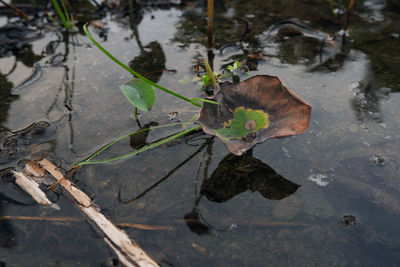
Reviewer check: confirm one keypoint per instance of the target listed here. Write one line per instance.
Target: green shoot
(205, 80)
(234, 67)
(63, 14)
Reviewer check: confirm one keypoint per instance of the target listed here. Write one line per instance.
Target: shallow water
(294, 212)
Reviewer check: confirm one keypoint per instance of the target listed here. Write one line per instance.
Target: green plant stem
(126, 136)
(61, 14)
(163, 141)
(134, 72)
(205, 100)
(66, 14)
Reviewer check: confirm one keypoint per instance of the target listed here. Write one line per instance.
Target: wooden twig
(34, 169)
(349, 9)
(120, 256)
(119, 238)
(32, 188)
(210, 24)
(75, 192)
(17, 11)
(131, 253)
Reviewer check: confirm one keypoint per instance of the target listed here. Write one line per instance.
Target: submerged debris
(377, 160)
(319, 179)
(17, 145)
(349, 220)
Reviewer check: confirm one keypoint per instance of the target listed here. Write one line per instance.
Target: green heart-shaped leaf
(244, 121)
(140, 94)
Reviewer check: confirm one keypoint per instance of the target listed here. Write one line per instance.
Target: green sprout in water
(63, 14)
(207, 80)
(234, 67)
(244, 122)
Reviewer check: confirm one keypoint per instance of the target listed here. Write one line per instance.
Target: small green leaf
(206, 79)
(140, 94)
(236, 65)
(244, 121)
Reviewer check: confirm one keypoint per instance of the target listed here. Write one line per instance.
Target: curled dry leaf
(253, 111)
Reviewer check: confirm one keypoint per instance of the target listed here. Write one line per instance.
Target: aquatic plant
(139, 89)
(63, 14)
(241, 115)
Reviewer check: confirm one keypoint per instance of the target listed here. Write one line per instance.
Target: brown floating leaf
(252, 111)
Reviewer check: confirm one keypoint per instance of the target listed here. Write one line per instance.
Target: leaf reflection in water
(237, 174)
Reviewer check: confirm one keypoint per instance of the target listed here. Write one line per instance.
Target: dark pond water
(328, 197)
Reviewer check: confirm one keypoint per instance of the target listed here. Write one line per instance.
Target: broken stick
(131, 253)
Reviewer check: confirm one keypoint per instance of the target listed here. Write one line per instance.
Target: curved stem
(123, 137)
(163, 141)
(134, 72)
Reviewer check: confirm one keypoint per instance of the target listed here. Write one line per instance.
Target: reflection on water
(233, 176)
(150, 62)
(237, 174)
(14, 43)
(139, 140)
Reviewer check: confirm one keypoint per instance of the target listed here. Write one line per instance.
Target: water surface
(327, 197)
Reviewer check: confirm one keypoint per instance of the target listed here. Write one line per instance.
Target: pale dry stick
(78, 195)
(119, 238)
(127, 248)
(34, 169)
(120, 256)
(32, 188)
